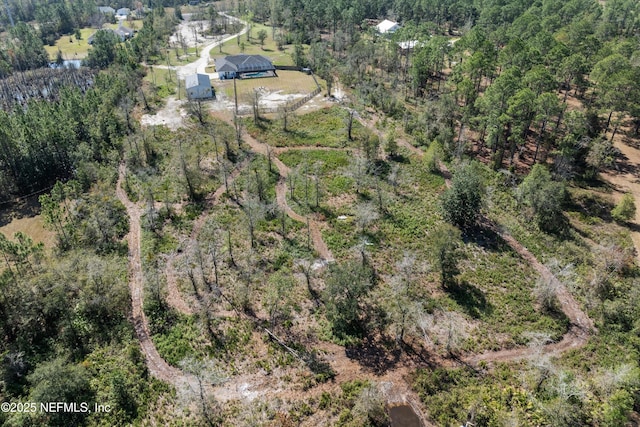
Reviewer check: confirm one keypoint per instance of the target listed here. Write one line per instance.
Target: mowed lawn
(70, 47)
(78, 49)
(287, 83)
(253, 47)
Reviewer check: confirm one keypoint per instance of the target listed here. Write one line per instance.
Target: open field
(78, 49)
(70, 47)
(322, 128)
(26, 219)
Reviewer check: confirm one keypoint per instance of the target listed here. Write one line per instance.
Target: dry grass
(287, 83)
(25, 218)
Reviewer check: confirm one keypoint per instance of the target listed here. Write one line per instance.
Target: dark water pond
(404, 416)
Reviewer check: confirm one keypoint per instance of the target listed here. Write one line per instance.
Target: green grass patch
(322, 128)
(496, 288)
(330, 161)
(182, 340)
(286, 83)
(70, 47)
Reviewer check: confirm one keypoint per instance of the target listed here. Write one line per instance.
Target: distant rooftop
(387, 26)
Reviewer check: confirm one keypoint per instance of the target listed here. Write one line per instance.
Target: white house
(198, 86)
(387, 26)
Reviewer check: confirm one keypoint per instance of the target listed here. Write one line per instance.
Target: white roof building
(387, 26)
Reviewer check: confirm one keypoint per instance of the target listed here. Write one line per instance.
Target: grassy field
(322, 128)
(252, 46)
(287, 82)
(32, 227)
(78, 49)
(70, 47)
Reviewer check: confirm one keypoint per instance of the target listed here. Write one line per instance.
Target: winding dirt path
(155, 363)
(580, 324)
(175, 298)
(281, 194)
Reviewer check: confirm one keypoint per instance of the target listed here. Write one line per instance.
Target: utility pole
(235, 93)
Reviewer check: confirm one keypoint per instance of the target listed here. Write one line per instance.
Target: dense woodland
(494, 128)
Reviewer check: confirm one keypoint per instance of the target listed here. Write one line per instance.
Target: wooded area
(452, 226)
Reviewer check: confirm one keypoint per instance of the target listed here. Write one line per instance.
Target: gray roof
(243, 63)
(195, 80)
(106, 9)
(124, 11)
(124, 32)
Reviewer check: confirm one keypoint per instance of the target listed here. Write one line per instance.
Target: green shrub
(625, 209)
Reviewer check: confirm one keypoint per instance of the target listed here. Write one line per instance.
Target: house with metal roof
(198, 86)
(244, 66)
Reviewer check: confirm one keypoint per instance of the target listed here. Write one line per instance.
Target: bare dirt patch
(172, 115)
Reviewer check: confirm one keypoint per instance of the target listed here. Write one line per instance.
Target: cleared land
(25, 218)
(70, 47)
(287, 83)
(250, 45)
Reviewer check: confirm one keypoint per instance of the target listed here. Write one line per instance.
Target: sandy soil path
(627, 180)
(581, 326)
(156, 364)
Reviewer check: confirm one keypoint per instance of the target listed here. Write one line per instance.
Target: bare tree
(349, 123)
(255, 106)
(317, 169)
(205, 373)
(545, 292)
(366, 213)
(358, 171)
(255, 211)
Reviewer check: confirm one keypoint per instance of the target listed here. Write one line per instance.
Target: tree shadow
(470, 298)
(320, 368)
(623, 165)
(374, 355)
(486, 238)
(25, 208)
(591, 205)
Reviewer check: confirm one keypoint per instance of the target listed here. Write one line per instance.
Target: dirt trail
(580, 323)
(156, 364)
(175, 298)
(627, 180)
(281, 195)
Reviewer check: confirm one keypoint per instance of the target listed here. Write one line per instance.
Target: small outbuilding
(387, 27)
(198, 86)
